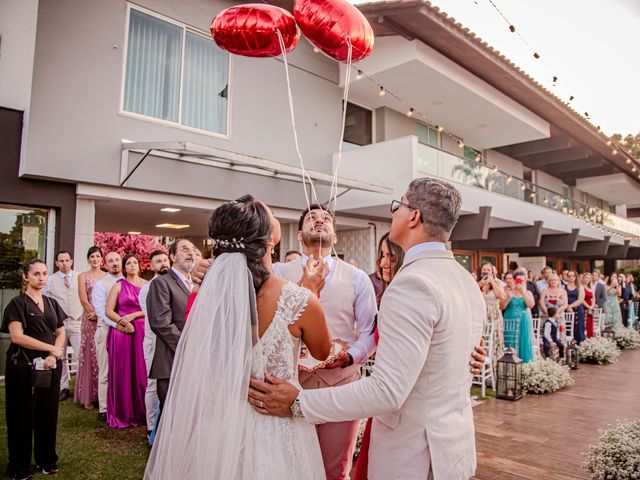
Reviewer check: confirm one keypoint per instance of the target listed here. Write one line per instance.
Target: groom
(430, 317)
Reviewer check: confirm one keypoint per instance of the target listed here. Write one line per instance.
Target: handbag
(39, 378)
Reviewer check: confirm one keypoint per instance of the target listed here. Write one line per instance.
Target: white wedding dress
(208, 430)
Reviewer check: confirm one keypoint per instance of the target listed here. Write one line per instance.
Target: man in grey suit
(600, 289)
(166, 304)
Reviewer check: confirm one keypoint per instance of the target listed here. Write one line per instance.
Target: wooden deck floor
(543, 436)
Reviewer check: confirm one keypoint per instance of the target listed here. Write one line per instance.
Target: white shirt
(547, 329)
(149, 342)
(186, 281)
(422, 247)
(542, 285)
(365, 307)
(99, 298)
(47, 288)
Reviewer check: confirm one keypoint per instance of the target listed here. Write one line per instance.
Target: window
(23, 232)
(472, 154)
(358, 127)
(428, 135)
(175, 74)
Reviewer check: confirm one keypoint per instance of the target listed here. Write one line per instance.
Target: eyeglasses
(395, 206)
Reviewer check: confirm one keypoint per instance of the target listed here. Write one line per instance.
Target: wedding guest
(99, 295)
(349, 303)
(35, 323)
(63, 286)
(127, 370)
(86, 392)
(599, 289)
(160, 265)
(291, 255)
(564, 277)
(575, 298)
(543, 283)
(550, 333)
(531, 287)
(626, 305)
(613, 315)
(166, 305)
(518, 330)
(554, 296)
(589, 301)
(493, 293)
(197, 255)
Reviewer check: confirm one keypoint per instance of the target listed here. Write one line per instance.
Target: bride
(246, 322)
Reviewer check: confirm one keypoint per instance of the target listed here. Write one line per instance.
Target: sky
(592, 46)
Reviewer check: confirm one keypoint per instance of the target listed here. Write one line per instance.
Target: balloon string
(305, 176)
(347, 80)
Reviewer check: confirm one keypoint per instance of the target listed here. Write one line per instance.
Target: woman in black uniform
(32, 377)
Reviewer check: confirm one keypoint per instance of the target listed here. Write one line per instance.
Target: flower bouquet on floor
(545, 376)
(598, 350)
(627, 338)
(617, 455)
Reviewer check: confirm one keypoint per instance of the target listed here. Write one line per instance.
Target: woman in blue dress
(575, 297)
(518, 328)
(613, 314)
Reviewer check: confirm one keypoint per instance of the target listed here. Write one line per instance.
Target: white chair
(536, 337)
(73, 365)
(487, 372)
(367, 368)
(636, 306)
(597, 321)
(512, 334)
(569, 318)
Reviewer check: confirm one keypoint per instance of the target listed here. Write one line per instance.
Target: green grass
(87, 448)
(477, 391)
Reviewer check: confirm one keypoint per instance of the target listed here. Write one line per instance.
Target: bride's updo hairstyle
(244, 226)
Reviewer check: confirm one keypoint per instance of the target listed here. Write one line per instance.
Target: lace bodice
(278, 351)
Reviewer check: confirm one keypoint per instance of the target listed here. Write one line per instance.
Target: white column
(85, 229)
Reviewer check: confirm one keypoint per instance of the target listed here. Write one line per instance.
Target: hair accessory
(233, 243)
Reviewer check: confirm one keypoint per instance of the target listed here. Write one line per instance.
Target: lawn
(87, 448)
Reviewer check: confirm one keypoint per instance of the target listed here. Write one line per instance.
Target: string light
(381, 92)
(608, 143)
(359, 75)
(410, 112)
(628, 161)
(460, 144)
(440, 129)
(522, 186)
(509, 178)
(614, 152)
(571, 98)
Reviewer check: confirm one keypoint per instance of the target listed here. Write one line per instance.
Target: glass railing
(433, 161)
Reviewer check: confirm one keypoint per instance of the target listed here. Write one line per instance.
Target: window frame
(439, 135)
(185, 28)
(373, 123)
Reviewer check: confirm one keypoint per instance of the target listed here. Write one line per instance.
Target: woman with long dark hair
(32, 378)
(86, 391)
(245, 322)
(127, 368)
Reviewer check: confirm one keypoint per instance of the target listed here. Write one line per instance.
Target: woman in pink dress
(127, 369)
(87, 379)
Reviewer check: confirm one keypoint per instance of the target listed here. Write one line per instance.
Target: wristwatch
(296, 409)
(350, 361)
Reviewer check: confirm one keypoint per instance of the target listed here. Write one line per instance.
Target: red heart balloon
(329, 23)
(250, 30)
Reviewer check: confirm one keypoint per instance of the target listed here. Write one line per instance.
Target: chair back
(569, 317)
(512, 333)
(536, 323)
(597, 321)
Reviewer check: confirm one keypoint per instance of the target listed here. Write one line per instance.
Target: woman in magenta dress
(127, 369)
(589, 302)
(87, 380)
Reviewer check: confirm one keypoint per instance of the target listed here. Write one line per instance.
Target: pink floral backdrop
(140, 245)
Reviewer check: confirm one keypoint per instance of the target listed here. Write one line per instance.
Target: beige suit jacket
(431, 317)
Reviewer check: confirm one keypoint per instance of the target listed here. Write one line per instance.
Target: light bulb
(410, 112)
(381, 92)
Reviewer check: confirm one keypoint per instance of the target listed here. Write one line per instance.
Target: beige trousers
(103, 366)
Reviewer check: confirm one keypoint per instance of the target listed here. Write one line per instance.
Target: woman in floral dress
(493, 293)
(86, 392)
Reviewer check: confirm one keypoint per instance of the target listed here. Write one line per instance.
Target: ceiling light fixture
(176, 226)
(170, 209)
(133, 233)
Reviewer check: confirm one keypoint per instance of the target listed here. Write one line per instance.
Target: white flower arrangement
(545, 376)
(627, 338)
(598, 350)
(617, 455)
(361, 428)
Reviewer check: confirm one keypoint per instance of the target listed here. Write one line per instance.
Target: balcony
(399, 160)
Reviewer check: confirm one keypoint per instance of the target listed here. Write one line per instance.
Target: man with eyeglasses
(431, 316)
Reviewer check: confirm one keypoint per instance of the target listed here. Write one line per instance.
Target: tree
(631, 143)
(140, 245)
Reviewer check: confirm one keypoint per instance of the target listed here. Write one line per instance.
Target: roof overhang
(204, 155)
(617, 189)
